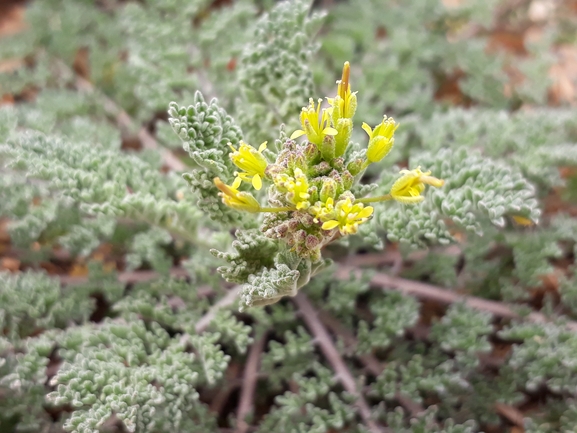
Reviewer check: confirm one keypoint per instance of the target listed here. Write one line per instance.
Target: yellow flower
(381, 139)
(315, 125)
(345, 103)
(251, 161)
(348, 216)
(297, 188)
(343, 106)
(408, 188)
(323, 211)
(236, 199)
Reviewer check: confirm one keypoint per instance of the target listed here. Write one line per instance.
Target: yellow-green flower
(408, 188)
(343, 106)
(251, 161)
(297, 188)
(236, 199)
(348, 216)
(345, 103)
(381, 139)
(315, 125)
(323, 211)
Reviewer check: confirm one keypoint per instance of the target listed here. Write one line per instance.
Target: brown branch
(143, 276)
(372, 259)
(125, 122)
(250, 376)
(323, 338)
(225, 301)
(132, 277)
(371, 363)
(126, 277)
(393, 256)
(410, 287)
(428, 291)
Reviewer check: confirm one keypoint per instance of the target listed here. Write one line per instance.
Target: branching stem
(385, 197)
(250, 377)
(316, 327)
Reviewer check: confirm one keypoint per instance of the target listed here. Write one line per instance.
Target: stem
(276, 209)
(250, 377)
(385, 197)
(310, 317)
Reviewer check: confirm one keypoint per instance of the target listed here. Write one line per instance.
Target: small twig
(125, 122)
(225, 301)
(129, 277)
(371, 363)
(323, 338)
(392, 256)
(511, 414)
(372, 259)
(250, 377)
(142, 276)
(220, 399)
(427, 291)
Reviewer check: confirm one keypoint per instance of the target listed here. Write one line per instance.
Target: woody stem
(385, 197)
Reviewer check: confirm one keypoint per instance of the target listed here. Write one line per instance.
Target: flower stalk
(310, 199)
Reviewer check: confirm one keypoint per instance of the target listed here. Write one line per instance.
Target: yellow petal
(365, 213)
(368, 129)
(236, 182)
(297, 134)
(329, 225)
(257, 182)
(262, 147)
(330, 131)
(408, 200)
(433, 181)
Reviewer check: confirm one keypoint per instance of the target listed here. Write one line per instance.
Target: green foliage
(174, 304)
(543, 358)
(22, 378)
(477, 192)
(274, 72)
(463, 332)
(294, 355)
(425, 422)
(36, 303)
(131, 370)
(393, 314)
(151, 340)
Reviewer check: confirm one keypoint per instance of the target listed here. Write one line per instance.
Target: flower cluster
(309, 193)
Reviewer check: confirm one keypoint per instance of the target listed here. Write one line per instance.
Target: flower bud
(312, 153)
(379, 147)
(355, 166)
(409, 187)
(328, 190)
(328, 148)
(338, 163)
(347, 180)
(320, 169)
(344, 128)
(235, 199)
(380, 139)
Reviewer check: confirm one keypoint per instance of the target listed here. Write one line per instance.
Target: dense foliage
(454, 314)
